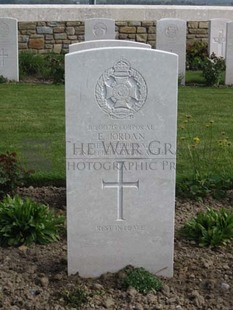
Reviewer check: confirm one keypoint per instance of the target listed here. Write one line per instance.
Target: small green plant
(75, 298)
(31, 63)
(12, 173)
(196, 55)
(49, 66)
(213, 70)
(26, 222)
(209, 228)
(55, 64)
(143, 281)
(3, 80)
(202, 150)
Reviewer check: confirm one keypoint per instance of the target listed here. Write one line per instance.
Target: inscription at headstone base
(121, 114)
(217, 37)
(171, 37)
(105, 43)
(99, 29)
(9, 48)
(229, 54)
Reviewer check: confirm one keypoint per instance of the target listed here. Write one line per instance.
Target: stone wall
(45, 37)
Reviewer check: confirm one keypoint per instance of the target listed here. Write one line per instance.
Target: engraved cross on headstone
(3, 55)
(221, 42)
(120, 185)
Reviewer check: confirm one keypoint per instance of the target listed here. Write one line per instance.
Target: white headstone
(121, 114)
(9, 48)
(171, 37)
(229, 54)
(99, 29)
(105, 43)
(217, 37)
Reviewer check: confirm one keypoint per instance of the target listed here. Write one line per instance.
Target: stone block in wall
(44, 30)
(36, 42)
(132, 36)
(203, 25)
(52, 24)
(134, 23)
(45, 51)
(49, 37)
(122, 36)
(151, 37)
(79, 30)
(192, 24)
(151, 29)
(25, 26)
(58, 29)
(23, 46)
(57, 48)
(72, 37)
(147, 23)
(28, 32)
(48, 46)
(141, 38)
(70, 31)
(73, 24)
(60, 36)
(121, 23)
(41, 24)
(23, 39)
(197, 31)
(127, 29)
(141, 30)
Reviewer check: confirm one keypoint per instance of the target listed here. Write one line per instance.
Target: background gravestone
(229, 54)
(121, 114)
(217, 37)
(171, 37)
(99, 29)
(105, 43)
(9, 48)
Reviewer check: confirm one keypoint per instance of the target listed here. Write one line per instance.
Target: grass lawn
(32, 123)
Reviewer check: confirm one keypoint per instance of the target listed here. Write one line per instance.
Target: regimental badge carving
(99, 30)
(121, 91)
(171, 31)
(4, 30)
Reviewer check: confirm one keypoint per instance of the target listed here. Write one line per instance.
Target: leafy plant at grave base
(209, 228)
(31, 63)
(142, 280)
(196, 55)
(213, 70)
(48, 66)
(202, 152)
(26, 222)
(75, 298)
(12, 173)
(3, 80)
(56, 67)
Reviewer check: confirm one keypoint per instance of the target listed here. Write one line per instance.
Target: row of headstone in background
(9, 67)
(221, 44)
(170, 36)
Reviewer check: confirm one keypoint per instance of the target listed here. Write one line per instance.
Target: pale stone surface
(116, 12)
(104, 43)
(229, 54)
(171, 37)
(121, 114)
(99, 29)
(217, 37)
(9, 66)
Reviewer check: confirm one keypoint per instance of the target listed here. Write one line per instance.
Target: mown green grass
(32, 123)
